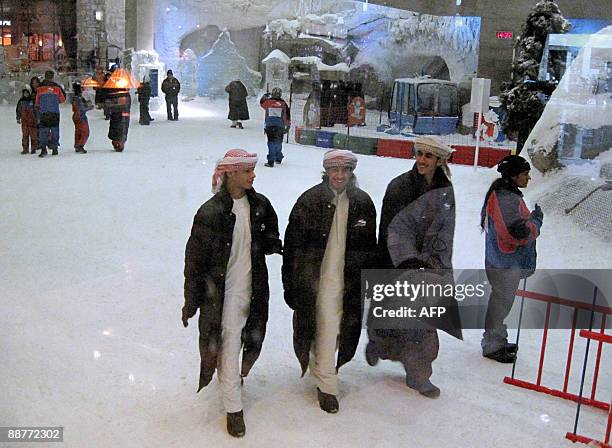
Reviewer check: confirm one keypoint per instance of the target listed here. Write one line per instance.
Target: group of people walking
(38, 111)
(38, 114)
(329, 239)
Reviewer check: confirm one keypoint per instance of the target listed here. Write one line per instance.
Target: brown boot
(235, 424)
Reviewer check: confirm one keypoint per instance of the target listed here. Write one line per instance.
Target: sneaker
(279, 162)
(328, 402)
(371, 355)
(24, 151)
(54, 152)
(427, 389)
(80, 150)
(240, 126)
(43, 152)
(33, 151)
(233, 126)
(269, 164)
(502, 355)
(235, 424)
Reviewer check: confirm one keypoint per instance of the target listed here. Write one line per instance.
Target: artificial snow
(92, 289)
(276, 55)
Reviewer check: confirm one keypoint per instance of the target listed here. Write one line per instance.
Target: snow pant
(275, 143)
(29, 135)
(118, 128)
(106, 107)
(172, 102)
(235, 313)
(323, 349)
(81, 133)
(48, 137)
(145, 117)
(504, 283)
(416, 349)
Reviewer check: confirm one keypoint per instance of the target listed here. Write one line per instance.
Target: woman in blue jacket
(510, 251)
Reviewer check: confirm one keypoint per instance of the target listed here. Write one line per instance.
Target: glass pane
(426, 95)
(447, 101)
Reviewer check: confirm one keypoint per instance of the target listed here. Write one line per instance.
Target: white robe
(236, 306)
(329, 301)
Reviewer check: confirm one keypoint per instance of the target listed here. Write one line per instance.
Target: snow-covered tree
(521, 98)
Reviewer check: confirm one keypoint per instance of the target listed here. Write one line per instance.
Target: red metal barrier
(601, 337)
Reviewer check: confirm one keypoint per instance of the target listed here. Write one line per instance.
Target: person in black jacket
(171, 87)
(331, 236)
(418, 217)
(227, 279)
(238, 108)
(144, 96)
(119, 103)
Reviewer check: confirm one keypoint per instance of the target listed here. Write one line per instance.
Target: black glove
(188, 313)
(537, 213)
(18, 121)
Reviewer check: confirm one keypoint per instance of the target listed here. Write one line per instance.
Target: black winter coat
(423, 218)
(119, 103)
(305, 243)
(144, 93)
(171, 87)
(206, 257)
(402, 191)
(238, 108)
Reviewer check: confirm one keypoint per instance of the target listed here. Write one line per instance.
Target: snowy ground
(91, 279)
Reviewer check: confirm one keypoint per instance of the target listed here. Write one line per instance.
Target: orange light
(121, 78)
(89, 83)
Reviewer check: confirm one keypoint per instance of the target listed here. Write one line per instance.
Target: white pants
(323, 350)
(235, 313)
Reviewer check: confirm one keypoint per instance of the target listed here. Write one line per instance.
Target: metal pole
(586, 356)
(518, 330)
(290, 104)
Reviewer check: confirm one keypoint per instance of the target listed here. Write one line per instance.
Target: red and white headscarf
(335, 158)
(234, 160)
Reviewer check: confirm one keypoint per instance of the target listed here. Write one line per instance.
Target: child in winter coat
(81, 126)
(276, 123)
(26, 116)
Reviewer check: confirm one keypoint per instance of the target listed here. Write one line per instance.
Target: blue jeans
(275, 143)
(275, 151)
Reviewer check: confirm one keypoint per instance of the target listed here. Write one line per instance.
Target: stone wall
(91, 33)
(99, 34)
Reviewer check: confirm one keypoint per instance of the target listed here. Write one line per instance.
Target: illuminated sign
(5, 23)
(504, 34)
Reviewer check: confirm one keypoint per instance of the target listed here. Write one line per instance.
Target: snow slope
(91, 279)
